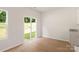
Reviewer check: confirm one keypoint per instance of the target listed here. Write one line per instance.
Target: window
(30, 27)
(3, 24)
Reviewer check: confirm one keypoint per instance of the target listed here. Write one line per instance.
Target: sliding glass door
(30, 28)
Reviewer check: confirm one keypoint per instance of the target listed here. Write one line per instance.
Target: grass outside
(27, 35)
(2, 31)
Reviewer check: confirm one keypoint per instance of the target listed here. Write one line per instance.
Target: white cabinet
(74, 37)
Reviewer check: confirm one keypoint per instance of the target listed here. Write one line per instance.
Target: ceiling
(44, 9)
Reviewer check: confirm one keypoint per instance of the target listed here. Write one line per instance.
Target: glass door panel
(30, 28)
(27, 28)
(34, 28)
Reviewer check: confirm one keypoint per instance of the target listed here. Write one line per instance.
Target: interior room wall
(56, 24)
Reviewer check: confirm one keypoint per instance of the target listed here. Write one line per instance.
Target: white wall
(56, 24)
(15, 26)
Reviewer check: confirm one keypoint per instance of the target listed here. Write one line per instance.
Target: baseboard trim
(3, 50)
(55, 38)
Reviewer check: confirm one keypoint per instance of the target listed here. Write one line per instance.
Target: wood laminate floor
(43, 45)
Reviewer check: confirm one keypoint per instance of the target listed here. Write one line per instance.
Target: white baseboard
(11, 47)
(54, 38)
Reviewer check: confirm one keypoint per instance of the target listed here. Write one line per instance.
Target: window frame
(6, 37)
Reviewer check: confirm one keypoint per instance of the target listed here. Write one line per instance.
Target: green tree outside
(2, 16)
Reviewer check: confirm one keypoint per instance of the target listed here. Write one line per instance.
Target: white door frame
(31, 25)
